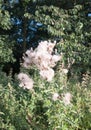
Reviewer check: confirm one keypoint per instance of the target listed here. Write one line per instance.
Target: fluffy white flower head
(45, 46)
(43, 58)
(67, 98)
(29, 58)
(65, 71)
(47, 74)
(55, 96)
(25, 81)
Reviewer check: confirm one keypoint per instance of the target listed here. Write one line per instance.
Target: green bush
(37, 109)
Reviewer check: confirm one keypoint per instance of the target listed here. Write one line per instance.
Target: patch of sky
(16, 21)
(31, 22)
(39, 24)
(20, 40)
(89, 14)
(28, 38)
(13, 1)
(32, 28)
(33, 25)
(19, 32)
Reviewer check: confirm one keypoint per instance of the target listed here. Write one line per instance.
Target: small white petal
(55, 96)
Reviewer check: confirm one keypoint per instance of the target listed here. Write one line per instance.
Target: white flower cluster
(25, 81)
(66, 98)
(55, 96)
(43, 58)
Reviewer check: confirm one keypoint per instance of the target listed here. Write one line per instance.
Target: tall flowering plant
(44, 58)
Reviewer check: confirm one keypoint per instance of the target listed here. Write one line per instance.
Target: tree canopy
(24, 23)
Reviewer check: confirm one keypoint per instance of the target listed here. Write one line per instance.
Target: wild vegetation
(45, 68)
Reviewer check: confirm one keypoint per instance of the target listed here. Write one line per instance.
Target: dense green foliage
(5, 46)
(66, 22)
(71, 25)
(35, 110)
